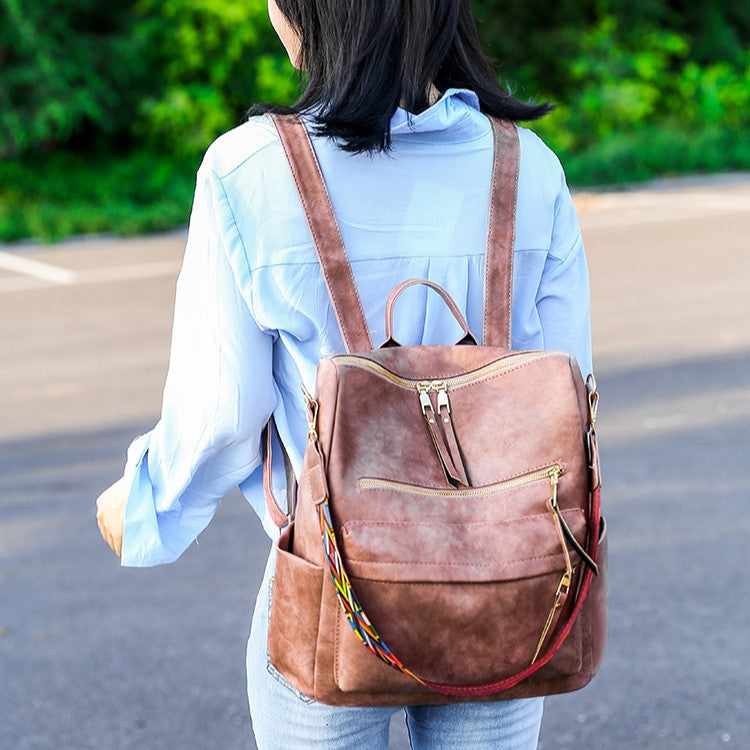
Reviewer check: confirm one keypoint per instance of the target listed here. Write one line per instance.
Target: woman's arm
(218, 396)
(110, 514)
(563, 298)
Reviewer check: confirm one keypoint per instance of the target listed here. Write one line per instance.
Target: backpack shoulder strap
(331, 252)
(325, 231)
(501, 235)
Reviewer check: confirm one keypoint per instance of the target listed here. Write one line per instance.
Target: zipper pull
(562, 592)
(443, 440)
(563, 528)
(442, 399)
(424, 400)
(457, 469)
(311, 412)
(554, 479)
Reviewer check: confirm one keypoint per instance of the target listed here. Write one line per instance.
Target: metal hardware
(564, 586)
(353, 360)
(593, 397)
(562, 591)
(424, 387)
(424, 398)
(554, 478)
(593, 405)
(311, 412)
(442, 400)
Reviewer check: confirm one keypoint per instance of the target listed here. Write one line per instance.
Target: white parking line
(36, 269)
(93, 276)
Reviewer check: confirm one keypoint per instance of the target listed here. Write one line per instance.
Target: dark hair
(364, 58)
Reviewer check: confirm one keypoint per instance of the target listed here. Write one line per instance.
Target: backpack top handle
(468, 337)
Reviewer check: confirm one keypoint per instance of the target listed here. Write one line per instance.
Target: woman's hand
(110, 514)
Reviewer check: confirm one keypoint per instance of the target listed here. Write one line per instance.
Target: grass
(656, 152)
(70, 194)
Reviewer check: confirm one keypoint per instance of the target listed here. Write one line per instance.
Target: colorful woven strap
(356, 616)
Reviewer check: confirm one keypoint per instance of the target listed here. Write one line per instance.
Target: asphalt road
(93, 656)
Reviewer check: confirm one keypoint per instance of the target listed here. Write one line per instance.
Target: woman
(395, 100)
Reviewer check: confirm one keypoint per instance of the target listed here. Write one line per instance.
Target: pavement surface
(93, 656)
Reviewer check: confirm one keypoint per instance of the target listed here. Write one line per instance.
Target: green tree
(215, 58)
(533, 41)
(69, 71)
(537, 44)
(717, 31)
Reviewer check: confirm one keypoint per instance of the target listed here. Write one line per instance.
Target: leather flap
(476, 551)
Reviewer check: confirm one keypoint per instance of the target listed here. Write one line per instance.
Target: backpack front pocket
(294, 617)
(486, 564)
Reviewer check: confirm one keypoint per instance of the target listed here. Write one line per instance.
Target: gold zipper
(451, 382)
(443, 437)
(560, 594)
(552, 472)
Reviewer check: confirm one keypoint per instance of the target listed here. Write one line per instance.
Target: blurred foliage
(658, 151)
(534, 41)
(643, 87)
(170, 74)
(216, 58)
(642, 79)
(70, 73)
(137, 192)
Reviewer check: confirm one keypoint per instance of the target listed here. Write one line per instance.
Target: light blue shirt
(252, 315)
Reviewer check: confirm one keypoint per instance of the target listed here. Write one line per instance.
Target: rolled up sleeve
(219, 393)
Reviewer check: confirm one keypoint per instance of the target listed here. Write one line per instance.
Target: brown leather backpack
(446, 543)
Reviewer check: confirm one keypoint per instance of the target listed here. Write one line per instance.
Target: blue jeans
(284, 719)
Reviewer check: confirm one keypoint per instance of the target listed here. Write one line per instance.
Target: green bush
(69, 72)
(658, 151)
(133, 193)
(638, 79)
(171, 75)
(534, 41)
(216, 58)
(106, 108)
(715, 94)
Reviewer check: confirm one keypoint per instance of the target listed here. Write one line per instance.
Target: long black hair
(364, 58)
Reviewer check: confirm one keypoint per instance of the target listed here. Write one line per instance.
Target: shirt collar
(453, 118)
(447, 113)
